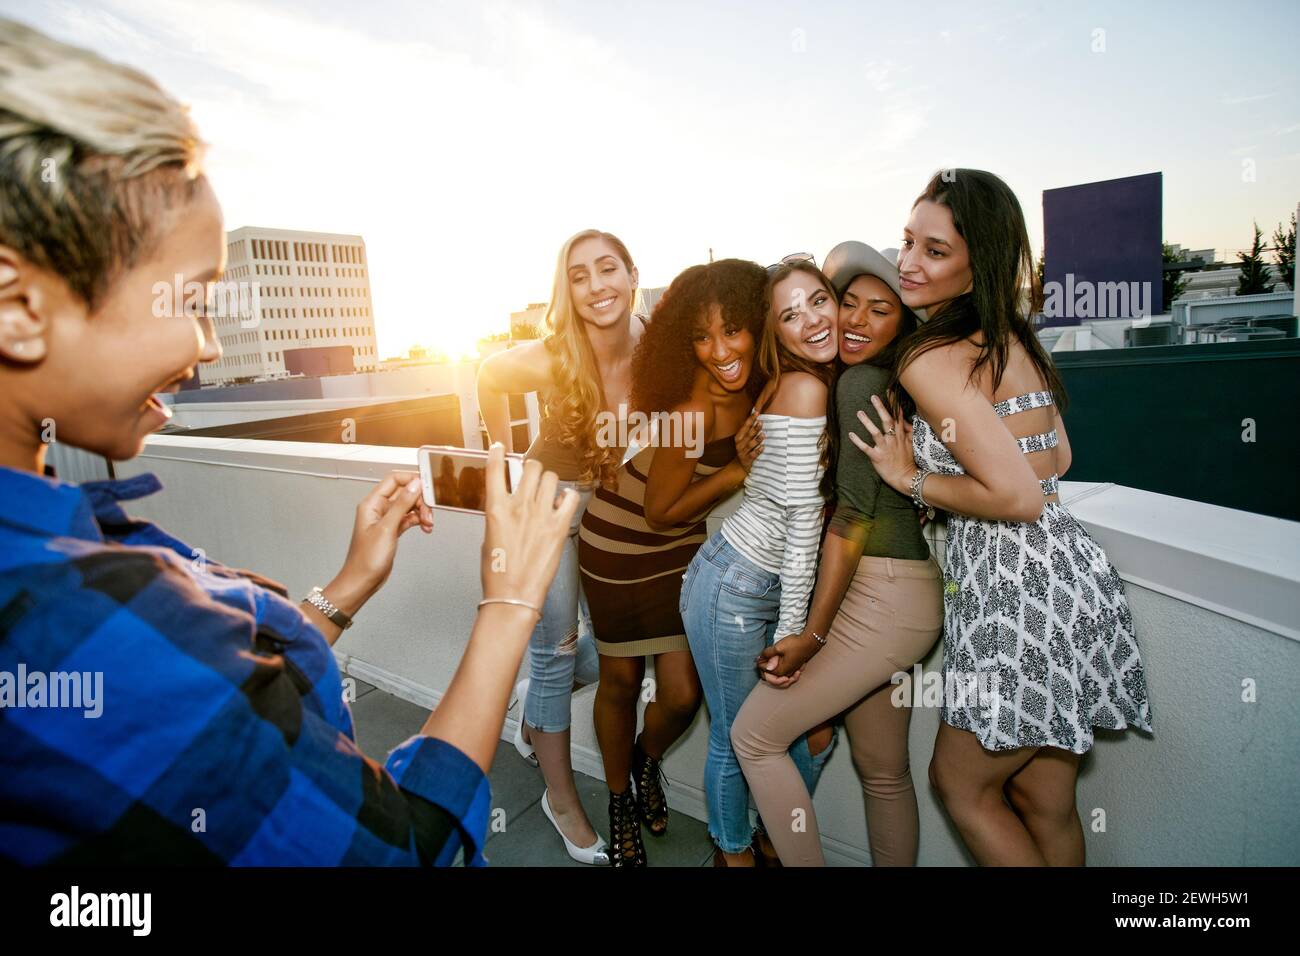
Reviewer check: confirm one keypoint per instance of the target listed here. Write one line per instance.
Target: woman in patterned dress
(1038, 640)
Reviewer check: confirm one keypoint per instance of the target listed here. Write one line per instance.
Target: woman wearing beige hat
(876, 609)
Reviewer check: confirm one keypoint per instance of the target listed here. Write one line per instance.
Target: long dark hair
(896, 399)
(986, 213)
(664, 363)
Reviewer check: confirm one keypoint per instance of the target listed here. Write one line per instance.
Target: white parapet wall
(1215, 595)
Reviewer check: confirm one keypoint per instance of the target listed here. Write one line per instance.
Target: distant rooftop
(245, 231)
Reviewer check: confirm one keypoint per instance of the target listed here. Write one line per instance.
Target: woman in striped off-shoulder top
(752, 579)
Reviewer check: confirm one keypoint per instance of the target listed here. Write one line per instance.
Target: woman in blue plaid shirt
(212, 689)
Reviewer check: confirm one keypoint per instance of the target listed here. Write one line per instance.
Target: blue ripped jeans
(561, 649)
(730, 607)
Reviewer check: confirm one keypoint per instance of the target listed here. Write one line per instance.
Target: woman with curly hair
(581, 370)
(751, 580)
(693, 372)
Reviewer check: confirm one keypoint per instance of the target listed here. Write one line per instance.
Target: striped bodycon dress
(632, 574)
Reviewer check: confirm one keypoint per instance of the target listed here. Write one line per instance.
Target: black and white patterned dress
(1038, 643)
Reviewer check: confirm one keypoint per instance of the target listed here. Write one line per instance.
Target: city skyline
(465, 144)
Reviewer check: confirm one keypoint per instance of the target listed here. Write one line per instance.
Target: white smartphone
(455, 478)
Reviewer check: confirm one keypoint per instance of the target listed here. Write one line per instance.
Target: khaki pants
(889, 619)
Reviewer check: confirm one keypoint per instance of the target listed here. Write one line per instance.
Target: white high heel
(597, 854)
(525, 749)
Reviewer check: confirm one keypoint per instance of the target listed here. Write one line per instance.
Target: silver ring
(890, 432)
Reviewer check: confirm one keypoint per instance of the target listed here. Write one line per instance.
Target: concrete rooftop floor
(383, 721)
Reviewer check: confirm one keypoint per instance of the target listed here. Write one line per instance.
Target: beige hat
(851, 259)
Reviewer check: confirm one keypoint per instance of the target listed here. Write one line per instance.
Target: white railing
(1215, 595)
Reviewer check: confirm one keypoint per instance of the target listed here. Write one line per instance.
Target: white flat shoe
(525, 749)
(597, 854)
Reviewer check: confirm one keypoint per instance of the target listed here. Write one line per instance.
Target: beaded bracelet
(918, 482)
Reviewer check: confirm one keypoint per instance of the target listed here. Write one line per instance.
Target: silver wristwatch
(320, 602)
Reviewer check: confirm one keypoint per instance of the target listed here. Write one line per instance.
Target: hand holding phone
(525, 531)
(387, 512)
(456, 478)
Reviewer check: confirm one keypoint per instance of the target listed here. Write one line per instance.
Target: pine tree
(1254, 271)
(1172, 284)
(1284, 253)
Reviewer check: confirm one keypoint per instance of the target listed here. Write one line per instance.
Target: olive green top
(867, 509)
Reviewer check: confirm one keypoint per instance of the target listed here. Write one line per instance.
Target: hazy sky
(466, 141)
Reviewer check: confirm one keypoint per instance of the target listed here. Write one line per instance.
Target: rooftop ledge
(1241, 565)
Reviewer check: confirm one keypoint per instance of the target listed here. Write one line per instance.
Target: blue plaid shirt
(222, 734)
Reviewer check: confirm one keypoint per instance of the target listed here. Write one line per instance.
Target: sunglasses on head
(791, 258)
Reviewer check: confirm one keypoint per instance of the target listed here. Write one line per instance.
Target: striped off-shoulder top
(778, 524)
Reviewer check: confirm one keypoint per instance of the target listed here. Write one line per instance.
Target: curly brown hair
(664, 364)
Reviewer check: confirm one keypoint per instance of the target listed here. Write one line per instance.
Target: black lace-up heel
(651, 803)
(625, 847)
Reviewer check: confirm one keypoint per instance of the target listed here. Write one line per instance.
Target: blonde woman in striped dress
(580, 372)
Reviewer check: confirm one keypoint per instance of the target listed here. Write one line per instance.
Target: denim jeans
(561, 647)
(729, 606)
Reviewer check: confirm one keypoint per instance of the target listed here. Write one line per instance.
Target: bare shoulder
(950, 355)
(1023, 374)
(699, 402)
(532, 352)
(799, 395)
(941, 367)
(523, 368)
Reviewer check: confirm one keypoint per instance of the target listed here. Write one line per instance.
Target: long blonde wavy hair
(578, 394)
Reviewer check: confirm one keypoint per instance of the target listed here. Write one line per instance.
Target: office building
(313, 293)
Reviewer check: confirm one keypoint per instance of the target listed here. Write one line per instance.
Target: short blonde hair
(93, 157)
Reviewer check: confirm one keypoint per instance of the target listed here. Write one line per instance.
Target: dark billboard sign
(1102, 250)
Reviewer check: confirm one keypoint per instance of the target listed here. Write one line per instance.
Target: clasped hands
(781, 663)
